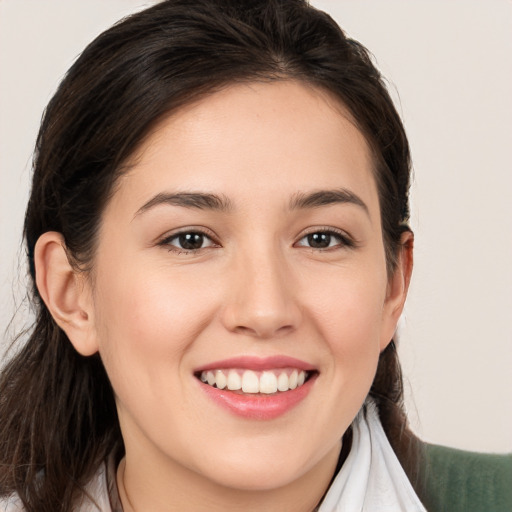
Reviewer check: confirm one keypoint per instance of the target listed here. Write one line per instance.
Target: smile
(257, 388)
(248, 381)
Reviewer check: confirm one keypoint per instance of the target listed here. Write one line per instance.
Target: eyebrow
(197, 200)
(206, 201)
(319, 198)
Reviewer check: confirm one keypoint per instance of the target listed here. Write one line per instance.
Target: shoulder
(94, 498)
(457, 480)
(11, 504)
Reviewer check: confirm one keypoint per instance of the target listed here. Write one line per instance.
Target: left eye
(189, 241)
(323, 240)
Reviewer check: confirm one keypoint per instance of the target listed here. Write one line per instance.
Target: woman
(217, 234)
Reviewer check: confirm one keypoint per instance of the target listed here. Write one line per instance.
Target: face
(243, 248)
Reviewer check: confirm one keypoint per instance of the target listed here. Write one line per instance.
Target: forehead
(255, 138)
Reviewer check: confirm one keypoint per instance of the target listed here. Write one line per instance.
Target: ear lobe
(398, 286)
(65, 292)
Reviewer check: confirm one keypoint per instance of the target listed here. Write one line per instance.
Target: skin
(156, 312)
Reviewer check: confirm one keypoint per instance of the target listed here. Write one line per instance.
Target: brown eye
(325, 240)
(191, 241)
(188, 241)
(319, 240)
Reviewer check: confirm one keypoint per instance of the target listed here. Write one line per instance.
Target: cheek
(145, 323)
(349, 308)
(349, 313)
(144, 305)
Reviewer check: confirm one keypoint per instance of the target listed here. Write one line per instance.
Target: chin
(265, 469)
(257, 478)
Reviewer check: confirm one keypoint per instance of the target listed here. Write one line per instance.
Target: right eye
(188, 241)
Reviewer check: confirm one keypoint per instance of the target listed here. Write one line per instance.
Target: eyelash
(167, 241)
(344, 241)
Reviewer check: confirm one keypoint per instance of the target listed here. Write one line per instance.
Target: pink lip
(257, 363)
(258, 406)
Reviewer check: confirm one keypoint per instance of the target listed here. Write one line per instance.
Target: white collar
(371, 478)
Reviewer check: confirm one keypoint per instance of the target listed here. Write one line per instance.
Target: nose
(263, 301)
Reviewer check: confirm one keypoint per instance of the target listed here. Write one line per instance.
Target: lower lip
(259, 406)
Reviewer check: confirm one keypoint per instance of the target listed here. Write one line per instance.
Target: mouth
(267, 382)
(255, 388)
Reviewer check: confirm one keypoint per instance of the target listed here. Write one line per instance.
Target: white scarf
(371, 478)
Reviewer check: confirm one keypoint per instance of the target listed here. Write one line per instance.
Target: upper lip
(257, 363)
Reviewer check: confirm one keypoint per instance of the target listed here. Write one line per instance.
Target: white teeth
(221, 379)
(266, 382)
(293, 379)
(234, 381)
(283, 383)
(250, 382)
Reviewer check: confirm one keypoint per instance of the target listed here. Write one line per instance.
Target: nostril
(264, 331)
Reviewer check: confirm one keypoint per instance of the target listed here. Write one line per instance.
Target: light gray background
(451, 63)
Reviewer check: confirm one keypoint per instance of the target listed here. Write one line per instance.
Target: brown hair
(149, 64)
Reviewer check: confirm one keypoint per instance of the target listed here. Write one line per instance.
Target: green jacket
(460, 481)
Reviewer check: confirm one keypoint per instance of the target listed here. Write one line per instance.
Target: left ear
(398, 286)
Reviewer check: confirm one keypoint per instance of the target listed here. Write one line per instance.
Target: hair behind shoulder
(58, 418)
